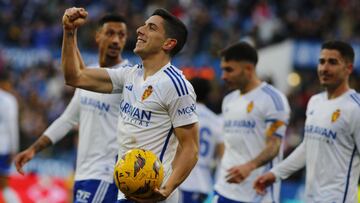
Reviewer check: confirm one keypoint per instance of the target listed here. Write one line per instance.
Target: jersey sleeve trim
(279, 105)
(272, 120)
(356, 98)
(181, 78)
(177, 80)
(185, 122)
(278, 135)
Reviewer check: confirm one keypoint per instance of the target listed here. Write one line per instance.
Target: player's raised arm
(75, 73)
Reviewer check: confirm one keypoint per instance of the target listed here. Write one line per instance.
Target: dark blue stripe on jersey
(182, 79)
(166, 144)
(177, 79)
(273, 120)
(172, 79)
(348, 175)
(270, 120)
(278, 135)
(275, 97)
(356, 98)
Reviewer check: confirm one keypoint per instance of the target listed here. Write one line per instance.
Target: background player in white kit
(158, 105)
(199, 183)
(9, 134)
(330, 149)
(255, 118)
(97, 116)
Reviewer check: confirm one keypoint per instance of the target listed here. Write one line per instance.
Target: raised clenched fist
(74, 18)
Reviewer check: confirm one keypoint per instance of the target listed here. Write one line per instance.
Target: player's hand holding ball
(74, 17)
(139, 174)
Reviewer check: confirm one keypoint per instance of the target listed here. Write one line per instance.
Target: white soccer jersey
(151, 109)
(246, 117)
(210, 125)
(97, 116)
(330, 149)
(9, 126)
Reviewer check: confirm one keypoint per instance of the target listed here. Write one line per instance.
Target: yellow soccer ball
(138, 172)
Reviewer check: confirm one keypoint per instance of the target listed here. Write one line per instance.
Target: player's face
(333, 70)
(111, 39)
(234, 74)
(151, 37)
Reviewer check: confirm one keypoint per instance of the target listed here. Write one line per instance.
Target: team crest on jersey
(250, 107)
(335, 115)
(147, 92)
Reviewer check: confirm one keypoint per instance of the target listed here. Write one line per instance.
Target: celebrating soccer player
(158, 105)
(255, 119)
(97, 115)
(330, 149)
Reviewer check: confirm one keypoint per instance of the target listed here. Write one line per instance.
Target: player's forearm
(294, 162)
(186, 155)
(269, 153)
(185, 160)
(41, 143)
(69, 57)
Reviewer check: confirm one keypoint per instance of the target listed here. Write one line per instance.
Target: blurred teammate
(9, 135)
(199, 183)
(97, 115)
(255, 118)
(330, 149)
(158, 105)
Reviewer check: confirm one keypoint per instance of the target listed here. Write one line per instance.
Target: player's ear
(169, 44)
(349, 68)
(249, 67)
(97, 36)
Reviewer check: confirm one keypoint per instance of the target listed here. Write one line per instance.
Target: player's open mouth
(139, 40)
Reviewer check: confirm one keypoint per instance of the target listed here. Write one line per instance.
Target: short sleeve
(118, 77)
(182, 110)
(277, 115)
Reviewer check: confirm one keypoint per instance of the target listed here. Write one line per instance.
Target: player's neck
(154, 63)
(337, 91)
(109, 62)
(254, 83)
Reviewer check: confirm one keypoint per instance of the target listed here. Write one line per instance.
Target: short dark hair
(345, 49)
(111, 17)
(202, 88)
(241, 51)
(174, 28)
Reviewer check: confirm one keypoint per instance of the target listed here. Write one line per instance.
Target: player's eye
(109, 33)
(333, 61)
(322, 61)
(152, 27)
(121, 34)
